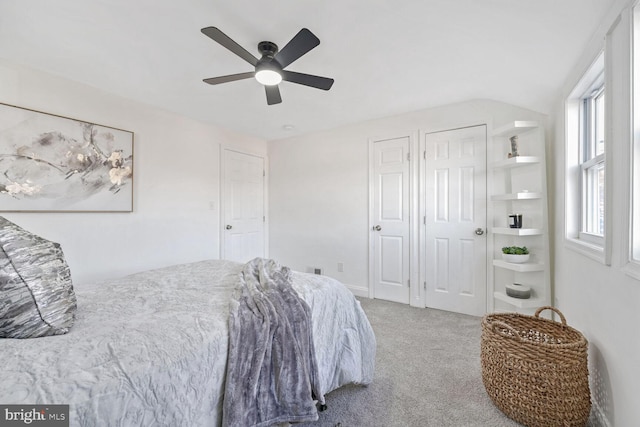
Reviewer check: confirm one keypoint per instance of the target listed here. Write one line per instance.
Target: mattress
(151, 348)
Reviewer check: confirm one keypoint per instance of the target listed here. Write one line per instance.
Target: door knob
(479, 231)
(228, 227)
(377, 228)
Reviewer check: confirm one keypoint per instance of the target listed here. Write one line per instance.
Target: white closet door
(455, 220)
(390, 218)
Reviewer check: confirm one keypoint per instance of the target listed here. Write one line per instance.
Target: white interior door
(243, 207)
(389, 218)
(455, 221)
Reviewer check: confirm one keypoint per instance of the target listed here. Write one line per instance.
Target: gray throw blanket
(272, 373)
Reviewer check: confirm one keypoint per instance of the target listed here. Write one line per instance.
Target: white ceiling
(387, 57)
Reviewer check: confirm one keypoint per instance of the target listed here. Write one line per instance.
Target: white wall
(600, 300)
(319, 186)
(176, 181)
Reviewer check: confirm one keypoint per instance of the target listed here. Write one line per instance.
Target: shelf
(519, 186)
(525, 267)
(520, 303)
(517, 196)
(516, 161)
(517, 231)
(515, 128)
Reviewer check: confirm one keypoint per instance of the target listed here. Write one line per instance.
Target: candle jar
(515, 221)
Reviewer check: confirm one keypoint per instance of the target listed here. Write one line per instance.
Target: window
(592, 164)
(586, 173)
(633, 267)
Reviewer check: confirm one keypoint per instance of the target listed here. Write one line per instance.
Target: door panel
(391, 260)
(442, 264)
(442, 195)
(390, 219)
(455, 190)
(391, 196)
(243, 214)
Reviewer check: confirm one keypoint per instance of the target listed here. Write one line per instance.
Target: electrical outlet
(314, 270)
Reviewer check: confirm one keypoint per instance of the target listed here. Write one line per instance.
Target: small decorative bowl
(516, 259)
(516, 290)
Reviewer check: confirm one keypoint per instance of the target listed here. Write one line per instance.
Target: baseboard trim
(359, 291)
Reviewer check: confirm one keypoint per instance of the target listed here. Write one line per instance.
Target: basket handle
(514, 334)
(555, 310)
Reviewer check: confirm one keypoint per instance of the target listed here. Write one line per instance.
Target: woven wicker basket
(535, 370)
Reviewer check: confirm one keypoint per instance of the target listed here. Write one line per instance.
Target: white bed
(151, 348)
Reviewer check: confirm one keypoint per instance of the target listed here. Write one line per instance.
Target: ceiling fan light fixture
(268, 77)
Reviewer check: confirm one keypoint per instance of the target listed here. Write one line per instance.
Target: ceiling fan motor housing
(268, 62)
(267, 49)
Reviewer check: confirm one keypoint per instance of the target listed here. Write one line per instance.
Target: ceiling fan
(269, 69)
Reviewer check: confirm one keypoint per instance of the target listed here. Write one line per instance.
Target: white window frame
(578, 163)
(590, 160)
(632, 267)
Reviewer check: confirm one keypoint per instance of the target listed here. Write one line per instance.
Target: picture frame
(52, 163)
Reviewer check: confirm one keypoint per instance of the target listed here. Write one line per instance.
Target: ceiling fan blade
(273, 95)
(220, 37)
(318, 82)
(229, 78)
(300, 44)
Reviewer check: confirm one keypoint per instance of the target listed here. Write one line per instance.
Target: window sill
(595, 252)
(632, 269)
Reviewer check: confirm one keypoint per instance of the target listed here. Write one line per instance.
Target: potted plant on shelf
(515, 254)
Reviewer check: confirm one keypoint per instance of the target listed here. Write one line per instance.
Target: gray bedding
(151, 349)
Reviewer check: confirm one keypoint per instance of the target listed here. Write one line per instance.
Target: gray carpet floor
(427, 374)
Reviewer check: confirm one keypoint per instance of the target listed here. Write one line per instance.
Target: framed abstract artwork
(54, 163)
